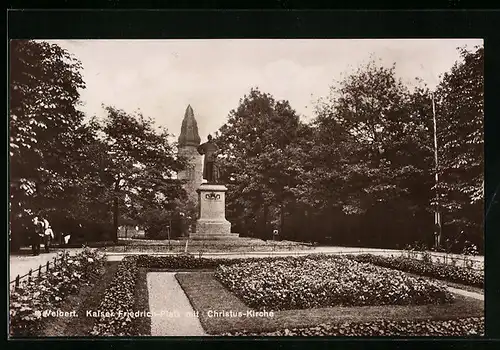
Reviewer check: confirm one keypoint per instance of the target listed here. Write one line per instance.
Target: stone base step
(214, 237)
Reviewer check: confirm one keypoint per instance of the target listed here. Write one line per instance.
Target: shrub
(298, 283)
(470, 249)
(190, 261)
(440, 271)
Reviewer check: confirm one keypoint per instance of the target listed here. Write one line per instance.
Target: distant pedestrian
(437, 235)
(48, 235)
(37, 235)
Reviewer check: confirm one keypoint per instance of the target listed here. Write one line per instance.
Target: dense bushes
(472, 326)
(192, 262)
(29, 301)
(300, 283)
(440, 271)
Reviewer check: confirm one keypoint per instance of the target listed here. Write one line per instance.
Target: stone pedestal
(212, 223)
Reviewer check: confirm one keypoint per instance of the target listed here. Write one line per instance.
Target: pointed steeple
(189, 131)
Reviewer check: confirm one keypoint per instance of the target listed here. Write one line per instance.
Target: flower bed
(115, 313)
(300, 283)
(392, 286)
(473, 326)
(445, 272)
(31, 298)
(193, 262)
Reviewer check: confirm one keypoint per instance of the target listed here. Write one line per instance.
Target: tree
(255, 147)
(372, 154)
(139, 165)
(44, 125)
(460, 115)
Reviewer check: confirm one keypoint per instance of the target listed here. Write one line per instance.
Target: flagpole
(437, 214)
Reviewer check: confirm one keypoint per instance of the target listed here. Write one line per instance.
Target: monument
(212, 223)
(211, 195)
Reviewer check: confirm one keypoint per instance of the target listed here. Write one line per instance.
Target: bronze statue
(208, 149)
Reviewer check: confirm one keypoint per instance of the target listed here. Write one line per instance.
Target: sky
(161, 77)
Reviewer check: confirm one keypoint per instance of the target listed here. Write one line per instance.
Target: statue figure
(209, 167)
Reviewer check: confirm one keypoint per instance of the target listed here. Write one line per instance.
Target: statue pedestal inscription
(212, 223)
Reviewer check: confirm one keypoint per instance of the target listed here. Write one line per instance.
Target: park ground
(20, 263)
(195, 293)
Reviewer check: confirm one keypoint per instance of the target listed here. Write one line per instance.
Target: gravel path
(20, 264)
(172, 313)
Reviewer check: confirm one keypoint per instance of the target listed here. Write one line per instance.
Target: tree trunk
(115, 213)
(282, 219)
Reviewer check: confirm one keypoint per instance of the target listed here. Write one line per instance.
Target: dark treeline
(361, 173)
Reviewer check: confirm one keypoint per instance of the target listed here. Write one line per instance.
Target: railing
(470, 262)
(467, 261)
(40, 271)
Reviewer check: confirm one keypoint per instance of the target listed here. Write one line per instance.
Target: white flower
(90, 260)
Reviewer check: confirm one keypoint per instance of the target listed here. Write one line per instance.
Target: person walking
(48, 235)
(37, 235)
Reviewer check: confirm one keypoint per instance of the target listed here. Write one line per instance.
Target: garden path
(21, 263)
(172, 313)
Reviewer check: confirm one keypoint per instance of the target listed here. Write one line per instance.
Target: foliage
(329, 281)
(28, 302)
(470, 249)
(45, 128)
(440, 271)
(472, 326)
(460, 120)
(117, 306)
(139, 164)
(75, 171)
(192, 262)
(364, 168)
(372, 158)
(120, 294)
(361, 173)
(255, 149)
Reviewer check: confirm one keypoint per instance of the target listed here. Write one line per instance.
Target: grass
(88, 298)
(207, 294)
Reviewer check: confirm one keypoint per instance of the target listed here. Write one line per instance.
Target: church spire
(189, 131)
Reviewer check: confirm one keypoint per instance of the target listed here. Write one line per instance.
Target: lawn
(207, 295)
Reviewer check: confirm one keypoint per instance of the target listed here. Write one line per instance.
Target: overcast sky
(161, 77)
